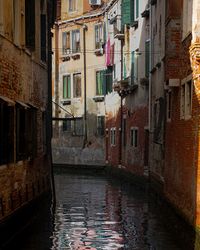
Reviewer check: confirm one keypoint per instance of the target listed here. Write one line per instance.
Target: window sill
(76, 56)
(99, 98)
(66, 102)
(65, 58)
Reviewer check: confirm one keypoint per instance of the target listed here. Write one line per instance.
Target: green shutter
(137, 8)
(64, 86)
(68, 87)
(127, 12)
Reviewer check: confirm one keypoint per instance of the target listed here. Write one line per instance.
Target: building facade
(25, 74)
(127, 106)
(126, 92)
(80, 83)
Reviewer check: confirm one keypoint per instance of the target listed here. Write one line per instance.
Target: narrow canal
(98, 212)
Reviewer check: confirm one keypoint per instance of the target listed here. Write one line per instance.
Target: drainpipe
(49, 108)
(150, 89)
(85, 85)
(85, 28)
(56, 93)
(121, 111)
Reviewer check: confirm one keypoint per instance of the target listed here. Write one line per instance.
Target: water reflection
(96, 213)
(99, 213)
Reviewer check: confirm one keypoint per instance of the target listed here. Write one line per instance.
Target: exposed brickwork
(23, 78)
(181, 137)
(132, 158)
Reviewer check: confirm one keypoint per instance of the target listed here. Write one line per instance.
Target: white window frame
(75, 6)
(132, 137)
(113, 136)
(72, 85)
(184, 112)
(101, 35)
(71, 41)
(70, 75)
(68, 50)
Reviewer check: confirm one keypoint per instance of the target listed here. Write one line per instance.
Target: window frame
(64, 125)
(67, 48)
(169, 105)
(77, 49)
(75, 96)
(185, 112)
(101, 35)
(67, 97)
(134, 143)
(74, 6)
(113, 136)
(100, 129)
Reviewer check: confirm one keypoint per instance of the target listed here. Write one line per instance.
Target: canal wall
(63, 155)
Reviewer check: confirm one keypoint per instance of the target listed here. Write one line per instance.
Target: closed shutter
(127, 12)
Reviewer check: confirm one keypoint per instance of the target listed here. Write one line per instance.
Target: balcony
(124, 87)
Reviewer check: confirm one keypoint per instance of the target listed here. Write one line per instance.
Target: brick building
(25, 110)
(182, 122)
(127, 106)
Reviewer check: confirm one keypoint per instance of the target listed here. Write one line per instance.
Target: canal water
(98, 212)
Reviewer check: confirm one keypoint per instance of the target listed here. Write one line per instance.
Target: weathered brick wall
(132, 159)
(181, 139)
(23, 78)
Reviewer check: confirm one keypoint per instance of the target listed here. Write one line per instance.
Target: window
(75, 41)
(100, 125)
(186, 98)
(6, 133)
(104, 79)
(124, 132)
(77, 85)
(26, 132)
(100, 82)
(67, 126)
(113, 136)
(134, 66)
(147, 58)
(187, 17)
(99, 36)
(43, 34)
(66, 87)
(31, 132)
(72, 5)
(134, 137)
(1, 15)
(43, 31)
(30, 24)
(169, 105)
(136, 6)
(182, 100)
(78, 126)
(66, 43)
(16, 22)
